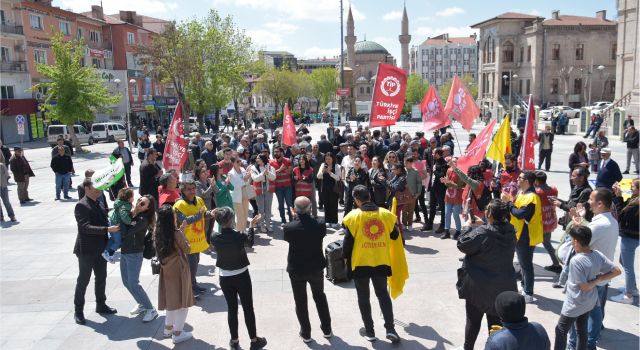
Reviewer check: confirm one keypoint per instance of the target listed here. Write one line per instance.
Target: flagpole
(524, 137)
(454, 132)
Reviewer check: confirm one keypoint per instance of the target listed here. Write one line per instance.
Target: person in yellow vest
(193, 210)
(526, 217)
(368, 234)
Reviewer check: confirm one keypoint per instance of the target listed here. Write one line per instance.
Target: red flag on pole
(175, 152)
(388, 95)
(529, 139)
(288, 128)
(460, 104)
(433, 116)
(477, 148)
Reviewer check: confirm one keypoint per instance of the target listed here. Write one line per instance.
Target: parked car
(600, 105)
(571, 112)
(193, 124)
(109, 132)
(53, 131)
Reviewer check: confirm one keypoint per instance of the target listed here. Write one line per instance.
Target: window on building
(528, 86)
(157, 90)
(40, 56)
(520, 86)
(94, 36)
(96, 62)
(134, 89)
(368, 89)
(579, 52)
(577, 86)
(529, 53)
(614, 50)
(79, 35)
(131, 39)
(554, 86)
(521, 55)
(35, 21)
(507, 52)
(3, 19)
(5, 54)
(7, 91)
(65, 28)
(362, 90)
(555, 52)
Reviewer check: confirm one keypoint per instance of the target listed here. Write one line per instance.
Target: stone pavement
(38, 272)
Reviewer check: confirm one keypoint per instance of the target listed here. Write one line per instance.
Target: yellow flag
(399, 268)
(501, 144)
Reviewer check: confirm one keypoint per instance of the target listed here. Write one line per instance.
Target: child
(594, 157)
(119, 215)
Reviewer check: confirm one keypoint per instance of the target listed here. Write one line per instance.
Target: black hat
(510, 306)
(17, 148)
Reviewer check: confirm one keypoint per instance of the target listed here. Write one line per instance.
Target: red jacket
(283, 178)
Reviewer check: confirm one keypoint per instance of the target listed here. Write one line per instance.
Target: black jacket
(487, 269)
(229, 245)
(579, 194)
(627, 217)
(305, 244)
(632, 140)
(440, 168)
(133, 236)
(325, 146)
(92, 227)
(61, 164)
(148, 179)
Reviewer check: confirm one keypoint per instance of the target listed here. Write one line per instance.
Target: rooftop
(508, 16)
(567, 20)
(445, 39)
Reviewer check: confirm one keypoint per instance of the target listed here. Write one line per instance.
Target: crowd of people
(223, 195)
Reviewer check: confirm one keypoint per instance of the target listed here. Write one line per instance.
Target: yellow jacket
(195, 230)
(371, 231)
(535, 224)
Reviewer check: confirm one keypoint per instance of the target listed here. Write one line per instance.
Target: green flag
(104, 178)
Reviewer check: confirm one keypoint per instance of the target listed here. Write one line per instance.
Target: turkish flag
(477, 148)
(388, 95)
(460, 105)
(175, 152)
(288, 128)
(529, 139)
(433, 116)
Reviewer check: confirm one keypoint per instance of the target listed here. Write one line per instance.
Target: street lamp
(126, 94)
(590, 77)
(510, 77)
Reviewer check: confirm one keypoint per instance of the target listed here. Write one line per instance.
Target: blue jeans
(62, 181)
(454, 209)
(525, 258)
(595, 320)
(284, 194)
(130, 265)
(115, 241)
(628, 248)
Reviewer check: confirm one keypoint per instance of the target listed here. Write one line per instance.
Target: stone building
(563, 60)
(628, 67)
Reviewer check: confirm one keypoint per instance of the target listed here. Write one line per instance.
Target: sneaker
(167, 333)
(57, 198)
(554, 268)
(258, 344)
(196, 293)
(392, 336)
(234, 344)
(528, 298)
(626, 172)
(370, 336)
(106, 256)
(149, 315)
(445, 236)
(137, 310)
(305, 339)
(622, 299)
(184, 336)
(67, 197)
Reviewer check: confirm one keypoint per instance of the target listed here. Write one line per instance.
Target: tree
(74, 93)
(324, 83)
(444, 89)
(416, 89)
(466, 80)
(278, 85)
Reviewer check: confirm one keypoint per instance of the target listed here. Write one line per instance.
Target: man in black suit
(149, 174)
(305, 264)
(260, 145)
(93, 225)
(609, 171)
(325, 145)
(127, 160)
(545, 147)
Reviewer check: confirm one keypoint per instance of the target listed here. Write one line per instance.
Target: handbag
(338, 187)
(248, 192)
(149, 250)
(155, 265)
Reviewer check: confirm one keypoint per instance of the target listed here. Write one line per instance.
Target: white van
(109, 132)
(53, 131)
(193, 124)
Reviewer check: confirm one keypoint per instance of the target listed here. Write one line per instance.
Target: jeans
(232, 287)
(299, 287)
(130, 265)
(264, 207)
(284, 194)
(545, 155)
(628, 248)
(115, 241)
(525, 258)
(563, 326)
(635, 154)
(87, 264)
(546, 242)
(454, 209)
(472, 326)
(4, 195)
(595, 318)
(380, 288)
(194, 260)
(62, 181)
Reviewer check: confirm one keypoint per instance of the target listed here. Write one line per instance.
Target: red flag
(175, 152)
(433, 116)
(529, 139)
(460, 105)
(477, 148)
(288, 128)
(388, 95)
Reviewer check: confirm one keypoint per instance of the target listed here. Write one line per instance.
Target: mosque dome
(369, 47)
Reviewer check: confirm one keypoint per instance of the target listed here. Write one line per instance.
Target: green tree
(278, 85)
(444, 89)
(416, 89)
(74, 93)
(467, 80)
(324, 83)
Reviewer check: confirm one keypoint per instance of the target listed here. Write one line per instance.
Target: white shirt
(237, 180)
(604, 234)
(347, 163)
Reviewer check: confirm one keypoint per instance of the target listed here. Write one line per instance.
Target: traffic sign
(20, 119)
(20, 129)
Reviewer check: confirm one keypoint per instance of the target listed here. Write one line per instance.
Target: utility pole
(341, 60)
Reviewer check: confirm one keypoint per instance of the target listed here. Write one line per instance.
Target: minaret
(405, 38)
(350, 39)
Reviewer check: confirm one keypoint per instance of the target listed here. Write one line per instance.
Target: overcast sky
(311, 28)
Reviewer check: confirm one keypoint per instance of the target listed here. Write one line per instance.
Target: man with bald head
(305, 264)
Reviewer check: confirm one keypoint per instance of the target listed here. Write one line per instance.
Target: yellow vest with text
(371, 231)
(195, 231)
(535, 224)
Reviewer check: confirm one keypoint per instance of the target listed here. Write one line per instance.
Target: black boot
(440, 230)
(79, 318)
(456, 235)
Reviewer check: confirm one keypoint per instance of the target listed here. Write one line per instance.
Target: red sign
(529, 139)
(96, 53)
(433, 116)
(460, 104)
(289, 129)
(343, 92)
(388, 95)
(175, 152)
(477, 148)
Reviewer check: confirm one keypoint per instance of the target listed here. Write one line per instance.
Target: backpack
(484, 199)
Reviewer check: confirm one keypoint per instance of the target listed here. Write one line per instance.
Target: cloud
(392, 16)
(314, 10)
(281, 27)
(424, 19)
(450, 11)
(422, 33)
(316, 52)
(147, 7)
(263, 36)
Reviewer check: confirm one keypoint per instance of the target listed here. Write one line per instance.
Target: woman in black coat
(487, 269)
(578, 159)
(378, 182)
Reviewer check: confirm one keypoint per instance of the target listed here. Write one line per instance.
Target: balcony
(12, 29)
(13, 66)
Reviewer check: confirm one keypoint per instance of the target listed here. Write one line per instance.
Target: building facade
(438, 59)
(563, 60)
(628, 67)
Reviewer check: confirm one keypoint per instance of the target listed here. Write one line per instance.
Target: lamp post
(599, 68)
(126, 94)
(510, 77)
